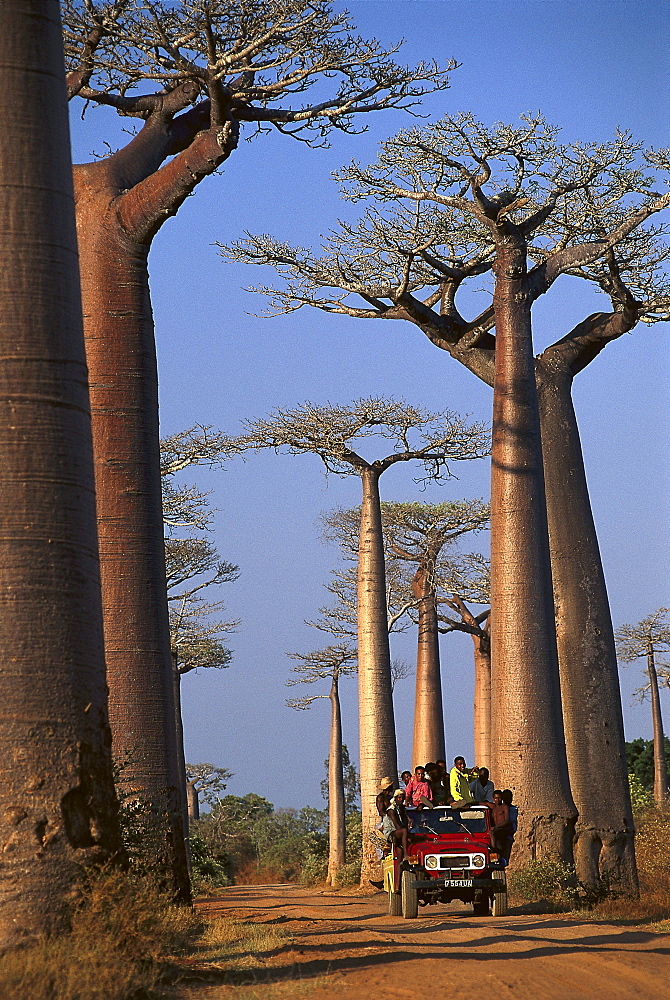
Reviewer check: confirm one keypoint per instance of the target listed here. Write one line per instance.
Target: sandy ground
(342, 944)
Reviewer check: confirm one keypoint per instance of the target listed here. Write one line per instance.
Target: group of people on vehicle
(432, 786)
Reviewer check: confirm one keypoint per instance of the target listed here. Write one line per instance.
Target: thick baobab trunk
(121, 356)
(660, 766)
(57, 803)
(592, 715)
(378, 755)
(428, 742)
(337, 830)
(528, 753)
(482, 702)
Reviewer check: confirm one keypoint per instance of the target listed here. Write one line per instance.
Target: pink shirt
(415, 789)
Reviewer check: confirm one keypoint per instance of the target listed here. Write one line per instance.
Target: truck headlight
(478, 860)
(430, 861)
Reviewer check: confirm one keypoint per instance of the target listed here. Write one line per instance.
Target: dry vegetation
(127, 942)
(542, 886)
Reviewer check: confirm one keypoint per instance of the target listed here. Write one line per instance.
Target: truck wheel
(500, 898)
(410, 897)
(395, 899)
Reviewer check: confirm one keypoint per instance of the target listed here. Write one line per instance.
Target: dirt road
(345, 945)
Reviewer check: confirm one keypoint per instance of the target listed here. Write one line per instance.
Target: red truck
(450, 857)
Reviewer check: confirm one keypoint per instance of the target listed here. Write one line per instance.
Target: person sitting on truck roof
(406, 777)
(481, 787)
(459, 785)
(437, 783)
(395, 825)
(418, 791)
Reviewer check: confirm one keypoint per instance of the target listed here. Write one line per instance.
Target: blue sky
(589, 67)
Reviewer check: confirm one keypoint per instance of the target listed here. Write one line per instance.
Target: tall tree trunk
(337, 831)
(529, 746)
(193, 801)
(57, 803)
(590, 693)
(428, 742)
(181, 757)
(378, 756)
(121, 356)
(660, 766)
(482, 702)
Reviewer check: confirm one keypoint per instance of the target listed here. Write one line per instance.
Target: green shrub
(545, 880)
(640, 797)
(207, 872)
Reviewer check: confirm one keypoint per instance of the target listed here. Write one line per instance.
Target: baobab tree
(464, 581)
(190, 73)
(330, 663)
(58, 811)
(206, 780)
(418, 533)
(186, 506)
(647, 639)
(192, 568)
(459, 200)
(333, 433)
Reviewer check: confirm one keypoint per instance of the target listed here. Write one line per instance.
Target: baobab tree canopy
(237, 60)
(437, 195)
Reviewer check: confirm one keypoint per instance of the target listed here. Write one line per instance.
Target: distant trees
(58, 812)
(188, 73)
(640, 758)
(647, 639)
(206, 780)
(466, 581)
(330, 664)
(192, 568)
(334, 433)
(458, 201)
(417, 533)
(260, 843)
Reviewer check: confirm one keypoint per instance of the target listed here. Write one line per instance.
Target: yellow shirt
(459, 785)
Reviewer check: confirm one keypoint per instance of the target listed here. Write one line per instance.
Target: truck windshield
(446, 822)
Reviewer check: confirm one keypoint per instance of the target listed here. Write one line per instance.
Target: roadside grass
(548, 886)
(128, 941)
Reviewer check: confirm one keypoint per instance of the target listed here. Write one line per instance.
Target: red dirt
(344, 944)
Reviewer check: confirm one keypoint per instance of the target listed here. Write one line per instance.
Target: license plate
(460, 883)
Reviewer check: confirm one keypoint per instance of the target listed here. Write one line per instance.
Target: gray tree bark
(592, 714)
(661, 795)
(378, 755)
(528, 739)
(57, 802)
(337, 830)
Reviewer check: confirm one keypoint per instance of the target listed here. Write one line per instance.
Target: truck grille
(454, 861)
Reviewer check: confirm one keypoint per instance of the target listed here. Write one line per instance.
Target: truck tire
(410, 897)
(395, 899)
(500, 898)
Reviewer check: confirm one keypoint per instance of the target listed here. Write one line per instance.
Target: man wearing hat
(395, 824)
(383, 800)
